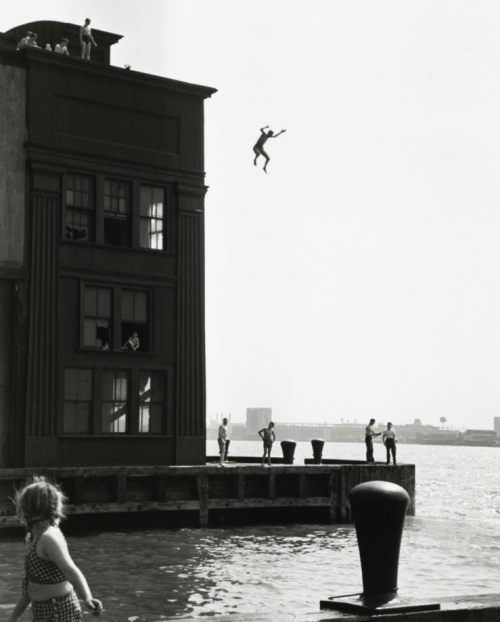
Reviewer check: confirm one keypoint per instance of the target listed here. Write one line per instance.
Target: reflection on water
(452, 546)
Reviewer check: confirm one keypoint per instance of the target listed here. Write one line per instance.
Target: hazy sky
(361, 276)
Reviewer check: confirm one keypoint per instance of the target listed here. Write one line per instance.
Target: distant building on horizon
(258, 418)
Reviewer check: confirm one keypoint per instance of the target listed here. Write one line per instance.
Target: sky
(359, 277)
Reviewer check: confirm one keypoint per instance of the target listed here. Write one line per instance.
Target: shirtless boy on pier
(259, 145)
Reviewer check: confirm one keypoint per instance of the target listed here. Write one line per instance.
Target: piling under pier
(209, 492)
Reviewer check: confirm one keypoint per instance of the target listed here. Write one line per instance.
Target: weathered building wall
(12, 129)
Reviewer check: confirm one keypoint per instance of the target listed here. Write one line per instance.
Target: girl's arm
(20, 608)
(54, 547)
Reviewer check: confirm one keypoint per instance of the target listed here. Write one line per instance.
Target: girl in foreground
(50, 571)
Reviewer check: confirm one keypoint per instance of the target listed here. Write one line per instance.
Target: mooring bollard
(288, 448)
(226, 451)
(378, 513)
(317, 445)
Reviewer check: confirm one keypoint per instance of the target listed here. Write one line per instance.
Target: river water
(452, 546)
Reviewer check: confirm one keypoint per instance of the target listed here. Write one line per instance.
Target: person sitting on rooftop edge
(62, 48)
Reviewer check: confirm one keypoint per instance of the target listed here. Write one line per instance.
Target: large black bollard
(288, 448)
(226, 451)
(378, 513)
(317, 445)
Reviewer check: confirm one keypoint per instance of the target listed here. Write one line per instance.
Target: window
(134, 311)
(152, 206)
(116, 213)
(79, 208)
(97, 318)
(78, 396)
(114, 402)
(151, 402)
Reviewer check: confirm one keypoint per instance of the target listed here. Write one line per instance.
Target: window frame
(91, 209)
(91, 402)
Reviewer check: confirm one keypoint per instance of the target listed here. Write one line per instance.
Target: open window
(135, 329)
(117, 220)
(79, 216)
(97, 320)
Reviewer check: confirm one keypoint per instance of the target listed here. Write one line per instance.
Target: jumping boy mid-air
(259, 145)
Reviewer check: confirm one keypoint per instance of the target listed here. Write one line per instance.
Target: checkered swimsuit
(62, 609)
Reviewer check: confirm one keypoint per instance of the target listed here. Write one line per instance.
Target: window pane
(104, 302)
(69, 197)
(140, 306)
(89, 333)
(121, 387)
(127, 305)
(158, 194)
(90, 301)
(85, 385)
(82, 418)
(69, 417)
(145, 231)
(145, 200)
(155, 419)
(144, 419)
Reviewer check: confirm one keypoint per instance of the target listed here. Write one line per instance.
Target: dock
(210, 494)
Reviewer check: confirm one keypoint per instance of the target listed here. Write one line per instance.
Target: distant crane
(443, 421)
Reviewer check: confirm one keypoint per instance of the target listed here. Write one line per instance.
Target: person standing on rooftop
(86, 39)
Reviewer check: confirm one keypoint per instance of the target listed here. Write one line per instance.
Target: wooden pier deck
(209, 492)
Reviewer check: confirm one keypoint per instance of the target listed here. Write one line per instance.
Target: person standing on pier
(268, 436)
(222, 439)
(389, 440)
(370, 434)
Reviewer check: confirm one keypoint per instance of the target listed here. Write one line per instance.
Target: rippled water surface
(452, 546)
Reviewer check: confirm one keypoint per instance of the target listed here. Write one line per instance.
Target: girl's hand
(94, 605)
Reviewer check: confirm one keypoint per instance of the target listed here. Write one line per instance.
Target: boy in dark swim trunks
(86, 39)
(259, 145)
(268, 436)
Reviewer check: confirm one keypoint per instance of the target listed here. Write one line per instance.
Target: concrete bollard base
(377, 604)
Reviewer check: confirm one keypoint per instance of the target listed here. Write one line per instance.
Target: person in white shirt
(62, 48)
(24, 40)
(370, 434)
(222, 440)
(389, 440)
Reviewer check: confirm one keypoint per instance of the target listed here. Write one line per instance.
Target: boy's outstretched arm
(264, 128)
(276, 135)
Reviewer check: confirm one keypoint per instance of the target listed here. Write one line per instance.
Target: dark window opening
(78, 398)
(135, 324)
(79, 223)
(116, 213)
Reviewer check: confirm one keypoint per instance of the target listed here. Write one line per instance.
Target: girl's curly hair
(40, 499)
